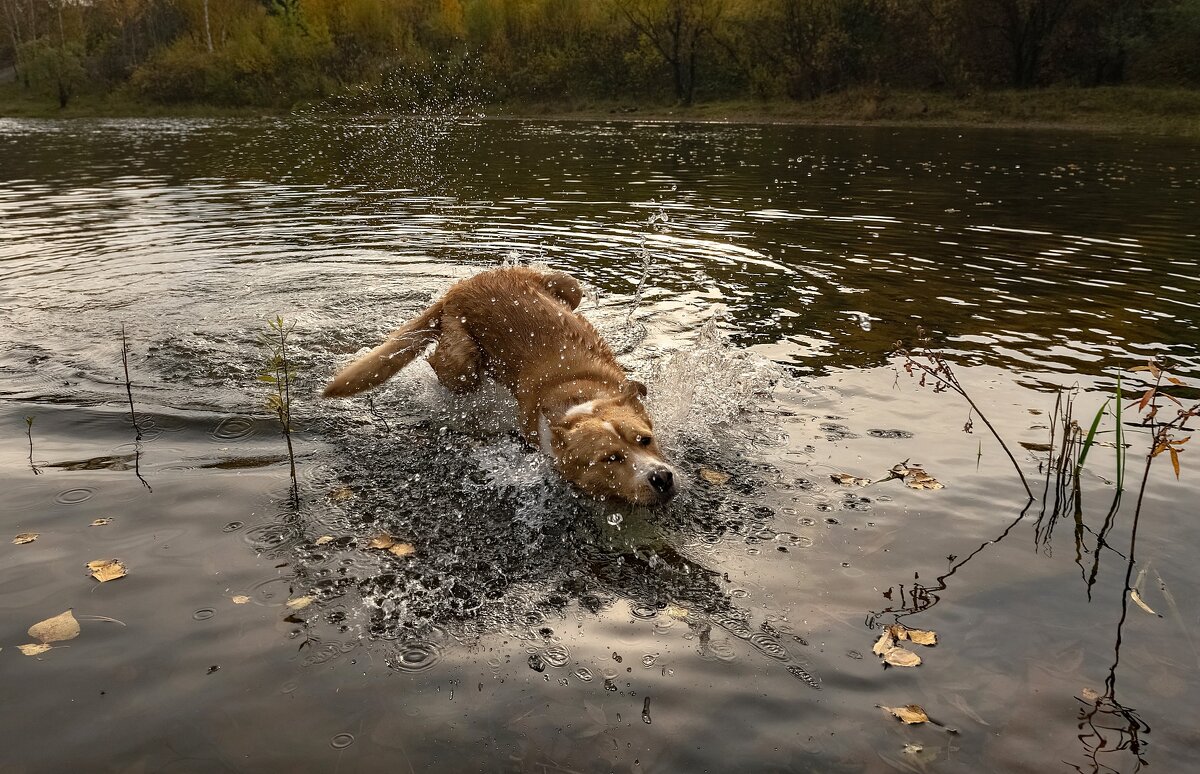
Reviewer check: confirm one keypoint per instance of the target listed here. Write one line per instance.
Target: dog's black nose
(663, 481)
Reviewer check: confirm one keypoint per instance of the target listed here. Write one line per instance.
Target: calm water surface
(532, 630)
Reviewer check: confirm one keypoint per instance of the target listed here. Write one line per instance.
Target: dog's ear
(632, 388)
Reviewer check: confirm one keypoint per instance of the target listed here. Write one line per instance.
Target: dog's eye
(615, 457)
(645, 440)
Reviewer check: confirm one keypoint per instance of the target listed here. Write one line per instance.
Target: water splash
(657, 223)
(713, 394)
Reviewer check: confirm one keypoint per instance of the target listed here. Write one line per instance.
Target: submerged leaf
(57, 629)
(678, 612)
(340, 493)
(299, 603)
(25, 537)
(392, 545)
(323, 540)
(100, 522)
(845, 479)
(901, 658)
(910, 713)
(105, 570)
(239, 599)
(382, 541)
(715, 477)
(34, 649)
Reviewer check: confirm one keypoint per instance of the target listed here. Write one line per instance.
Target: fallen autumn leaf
(57, 629)
(392, 545)
(34, 648)
(909, 713)
(105, 570)
(901, 658)
(25, 537)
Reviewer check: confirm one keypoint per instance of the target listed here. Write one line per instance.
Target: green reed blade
(1090, 439)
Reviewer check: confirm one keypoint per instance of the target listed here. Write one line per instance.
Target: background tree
(677, 30)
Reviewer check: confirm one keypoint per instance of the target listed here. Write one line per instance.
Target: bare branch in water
(29, 432)
(939, 369)
(137, 430)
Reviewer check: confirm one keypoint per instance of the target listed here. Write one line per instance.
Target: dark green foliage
(279, 52)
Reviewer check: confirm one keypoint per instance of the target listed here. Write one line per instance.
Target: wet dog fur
(574, 400)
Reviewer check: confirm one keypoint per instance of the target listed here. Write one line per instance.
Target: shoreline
(1112, 110)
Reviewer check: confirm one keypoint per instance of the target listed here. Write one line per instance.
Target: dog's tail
(403, 345)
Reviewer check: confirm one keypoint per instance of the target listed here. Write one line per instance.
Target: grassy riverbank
(1126, 109)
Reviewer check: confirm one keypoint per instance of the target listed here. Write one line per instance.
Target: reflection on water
(756, 277)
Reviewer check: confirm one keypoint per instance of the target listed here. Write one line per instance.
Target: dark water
(528, 631)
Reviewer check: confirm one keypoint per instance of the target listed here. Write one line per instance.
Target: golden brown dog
(520, 326)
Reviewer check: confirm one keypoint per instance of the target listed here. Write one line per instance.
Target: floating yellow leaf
(240, 599)
(61, 627)
(25, 537)
(922, 637)
(1137, 598)
(910, 713)
(105, 570)
(392, 545)
(886, 642)
(901, 658)
(323, 540)
(299, 603)
(919, 636)
(923, 482)
(100, 522)
(34, 649)
(848, 480)
(915, 477)
(1090, 694)
(341, 493)
(715, 477)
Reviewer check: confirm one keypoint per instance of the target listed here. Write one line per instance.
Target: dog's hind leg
(457, 360)
(562, 286)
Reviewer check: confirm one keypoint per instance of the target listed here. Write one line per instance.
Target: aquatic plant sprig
(137, 431)
(29, 433)
(1097, 716)
(931, 363)
(278, 373)
(133, 419)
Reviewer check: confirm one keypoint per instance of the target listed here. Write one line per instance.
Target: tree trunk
(207, 28)
(14, 29)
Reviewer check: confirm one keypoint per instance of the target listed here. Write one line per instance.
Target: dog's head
(607, 448)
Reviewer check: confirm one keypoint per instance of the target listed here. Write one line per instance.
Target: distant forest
(400, 54)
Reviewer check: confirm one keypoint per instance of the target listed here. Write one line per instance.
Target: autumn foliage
(278, 52)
